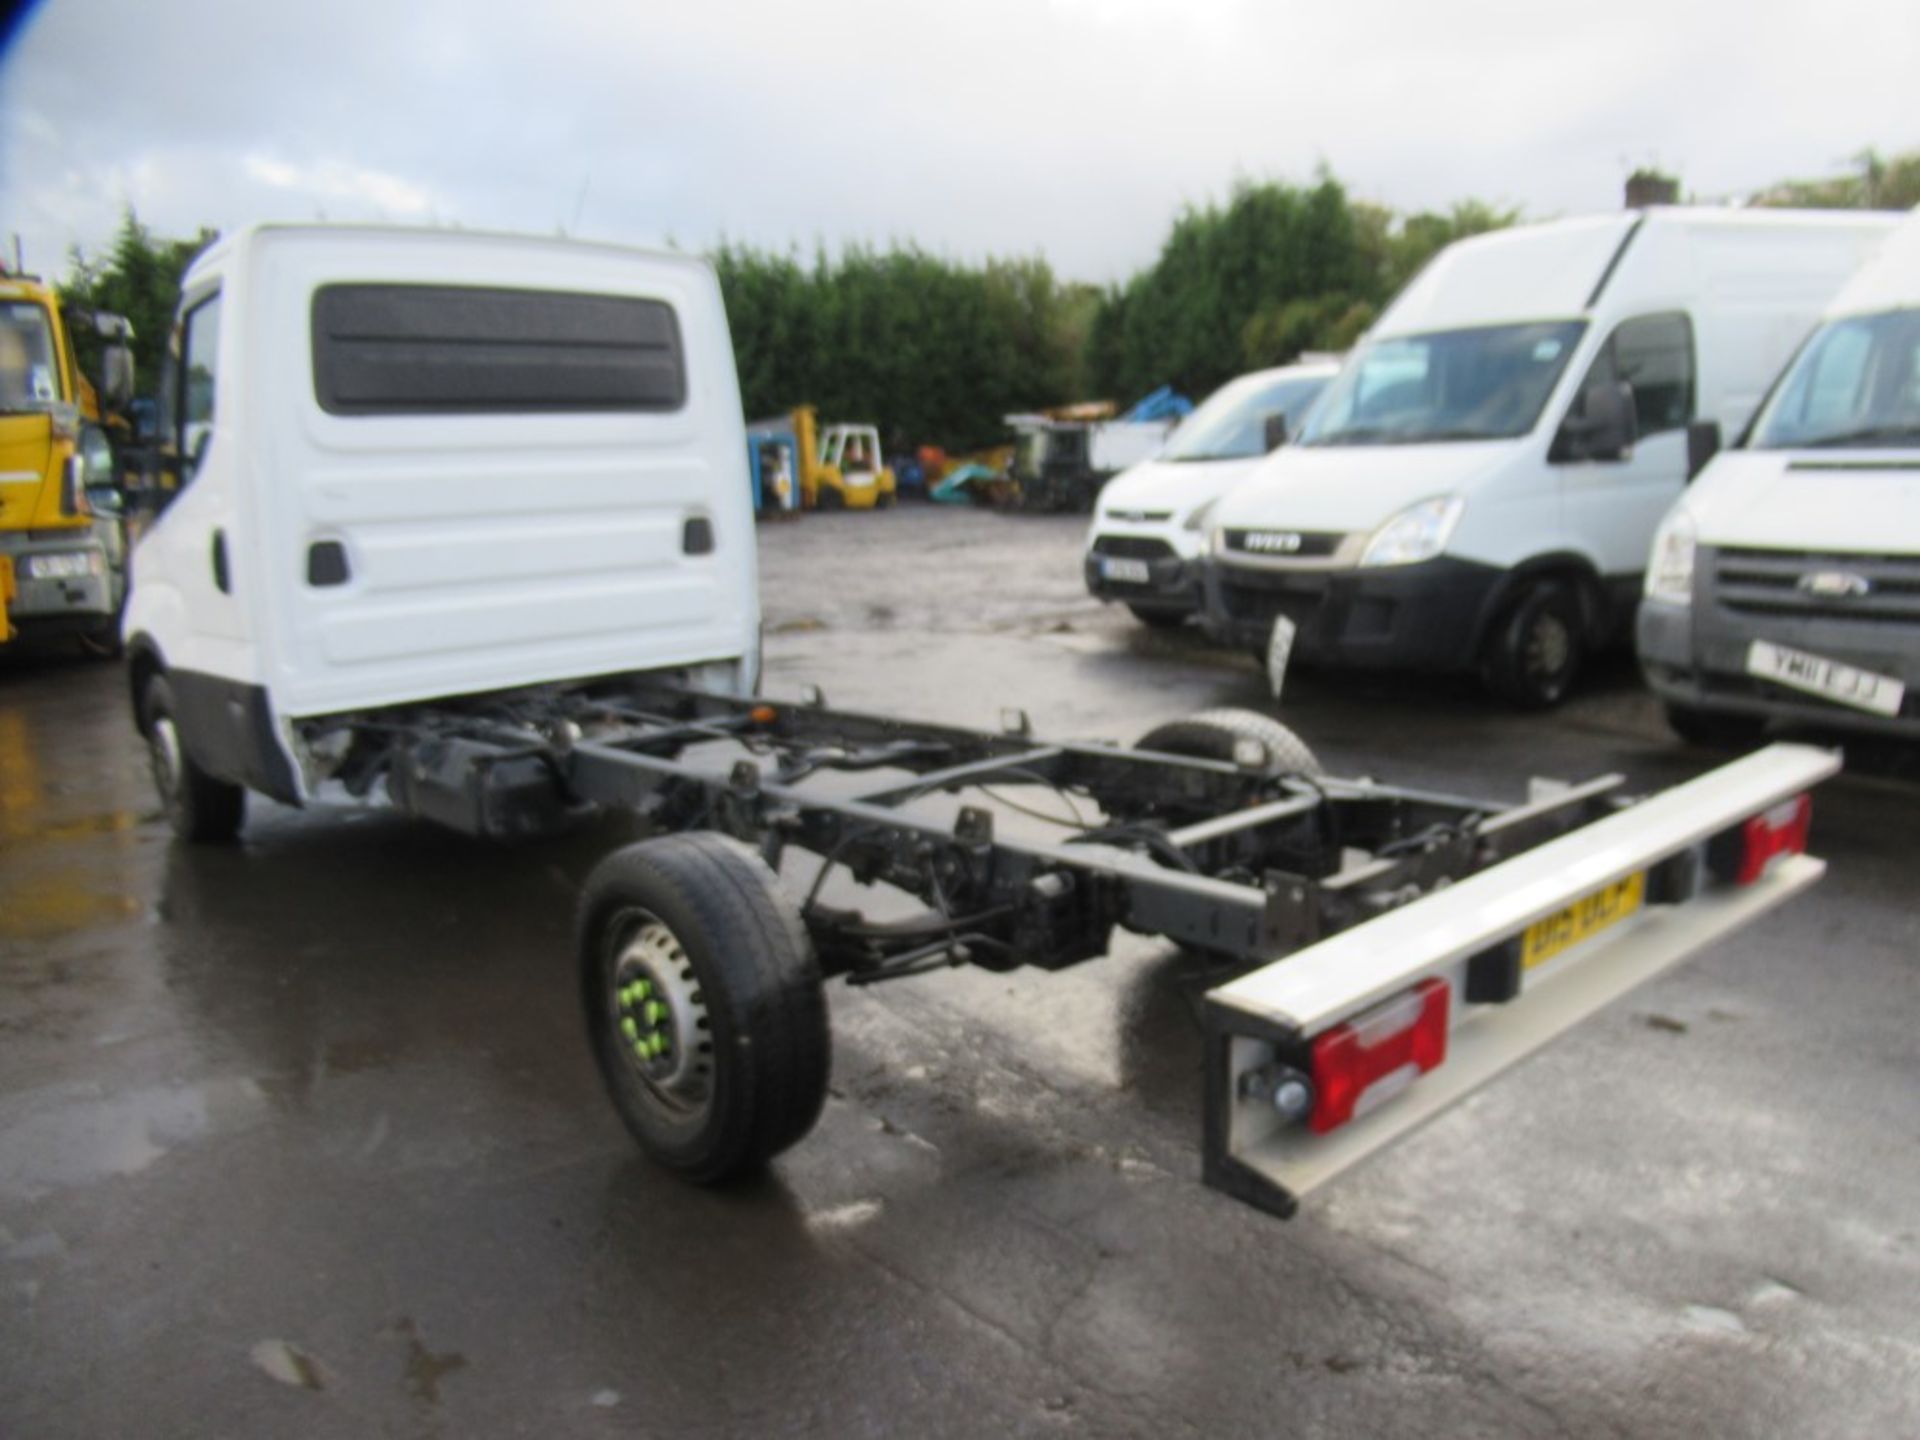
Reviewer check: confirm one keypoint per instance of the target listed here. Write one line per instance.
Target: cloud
(1073, 127)
(334, 183)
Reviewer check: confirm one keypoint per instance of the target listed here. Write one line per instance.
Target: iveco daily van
(1785, 583)
(1149, 526)
(1479, 486)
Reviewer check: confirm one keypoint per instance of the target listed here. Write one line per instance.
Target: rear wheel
(1715, 729)
(1214, 734)
(201, 808)
(704, 1004)
(1536, 649)
(1161, 617)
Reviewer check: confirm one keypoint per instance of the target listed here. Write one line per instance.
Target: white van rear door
(498, 462)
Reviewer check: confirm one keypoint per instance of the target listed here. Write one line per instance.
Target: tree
(1880, 183)
(1280, 270)
(139, 278)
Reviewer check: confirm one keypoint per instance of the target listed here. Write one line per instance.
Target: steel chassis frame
(1248, 861)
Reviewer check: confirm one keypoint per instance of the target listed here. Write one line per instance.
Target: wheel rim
(1549, 649)
(163, 750)
(658, 1014)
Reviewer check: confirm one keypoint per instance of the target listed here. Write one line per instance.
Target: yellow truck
(840, 467)
(62, 543)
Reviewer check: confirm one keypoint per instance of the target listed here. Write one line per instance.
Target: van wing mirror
(116, 375)
(1605, 427)
(1703, 443)
(1276, 430)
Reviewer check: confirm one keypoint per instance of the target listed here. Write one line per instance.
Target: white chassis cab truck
(462, 529)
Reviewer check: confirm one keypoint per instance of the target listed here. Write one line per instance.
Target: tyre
(1715, 729)
(1535, 651)
(1160, 617)
(1212, 735)
(201, 808)
(704, 1004)
(884, 500)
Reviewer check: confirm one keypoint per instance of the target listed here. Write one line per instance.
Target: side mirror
(1703, 443)
(106, 499)
(1276, 431)
(116, 375)
(1605, 427)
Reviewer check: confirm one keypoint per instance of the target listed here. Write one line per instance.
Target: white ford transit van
(1785, 584)
(1479, 486)
(480, 461)
(1149, 526)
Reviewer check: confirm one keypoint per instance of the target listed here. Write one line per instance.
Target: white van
(490, 461)
(1785, 584)
(1479, 486)
(1148, 535)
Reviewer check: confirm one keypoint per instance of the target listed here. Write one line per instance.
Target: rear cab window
(392, 349)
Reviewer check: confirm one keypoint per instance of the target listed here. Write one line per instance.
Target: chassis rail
(1343, 893)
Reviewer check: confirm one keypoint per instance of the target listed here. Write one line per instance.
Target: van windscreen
(1485, 383)
(381, 349)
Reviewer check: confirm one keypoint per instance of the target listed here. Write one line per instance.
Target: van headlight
(1670, 566)
(1198, 519)
(1417, 533)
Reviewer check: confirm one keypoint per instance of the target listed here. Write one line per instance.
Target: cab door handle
(222, 581)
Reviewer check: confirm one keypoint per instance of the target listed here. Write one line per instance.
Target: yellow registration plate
(1582, 920)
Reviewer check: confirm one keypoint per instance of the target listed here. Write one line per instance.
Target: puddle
(18, 828)
(50, 1141)
(57, 907)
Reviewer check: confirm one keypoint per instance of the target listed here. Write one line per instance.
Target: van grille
(1882, 589)
(1285, 544)
(1132, 547)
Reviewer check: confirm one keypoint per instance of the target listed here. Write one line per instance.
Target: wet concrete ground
(303, 1137)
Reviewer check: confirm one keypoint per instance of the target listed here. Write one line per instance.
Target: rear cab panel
(445, 464)
(485, 545)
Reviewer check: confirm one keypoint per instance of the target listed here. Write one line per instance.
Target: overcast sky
(1076, 128)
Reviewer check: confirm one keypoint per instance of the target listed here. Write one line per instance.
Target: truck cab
(1477, 489)
(1784, 585)
(485, 462)
(62, 549)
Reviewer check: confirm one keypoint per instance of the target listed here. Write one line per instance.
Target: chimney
(1650, 187)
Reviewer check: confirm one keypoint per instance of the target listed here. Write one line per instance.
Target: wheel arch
(1569, 566)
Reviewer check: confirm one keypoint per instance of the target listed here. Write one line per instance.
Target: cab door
(190, 577)
(1612, 504)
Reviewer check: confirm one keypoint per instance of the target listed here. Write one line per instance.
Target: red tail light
(1779, 831)
(1381, 1051)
